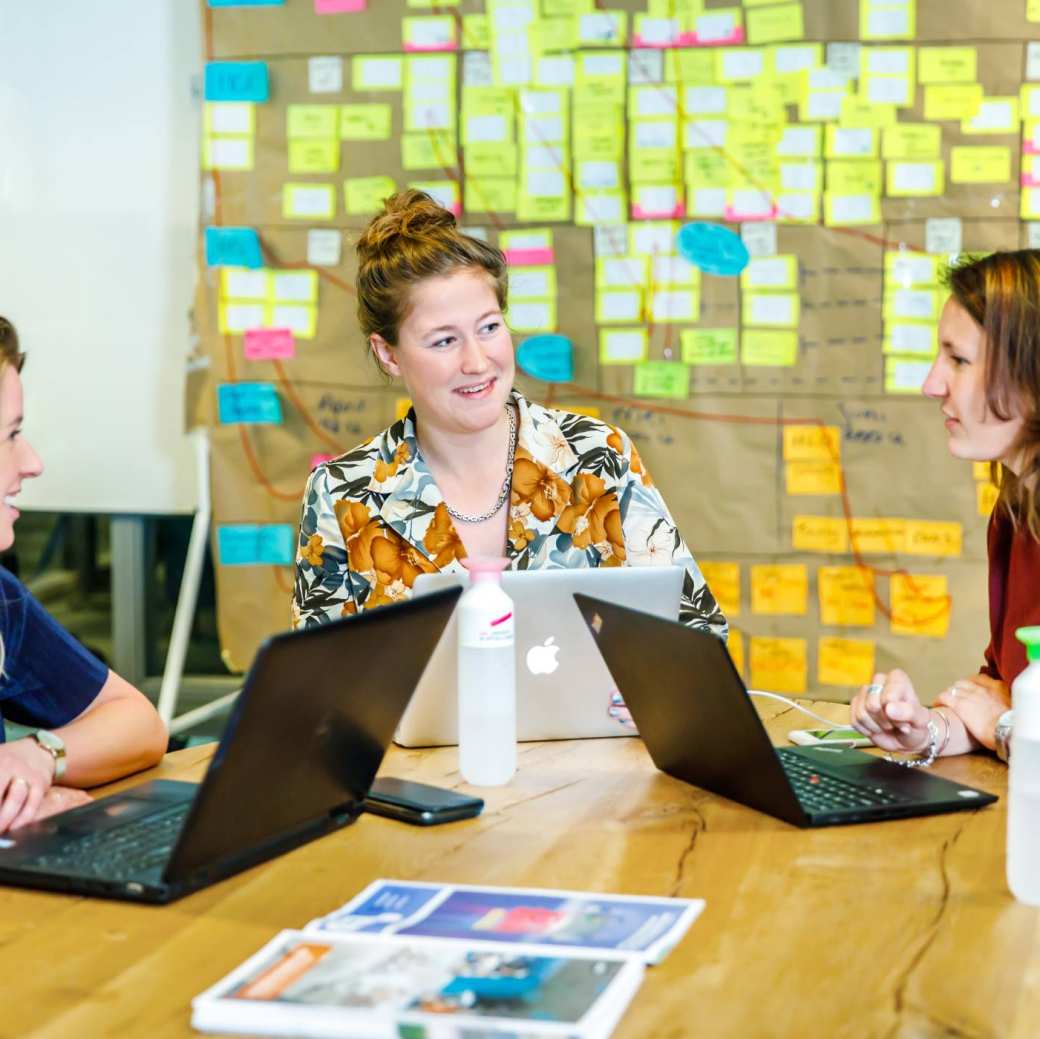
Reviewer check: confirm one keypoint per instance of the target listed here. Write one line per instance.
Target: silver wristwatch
(1002, 735)
(55, 746)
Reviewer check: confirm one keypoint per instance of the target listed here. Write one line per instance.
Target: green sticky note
(491, 160)
(661, 379)
(364, 195)
(365, 122)
(709, 345)
(429, 150)
(773, 24)
(490, 194)
(761, 347)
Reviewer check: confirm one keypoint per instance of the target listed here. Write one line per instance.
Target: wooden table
(893, 929)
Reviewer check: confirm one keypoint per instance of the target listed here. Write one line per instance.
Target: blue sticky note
(236, 81)
(547, 357)
(233, 247)
(252, 544)
(713, 248)
(244, 3)
(255, 402)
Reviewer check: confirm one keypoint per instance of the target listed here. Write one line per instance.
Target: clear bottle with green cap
(1023, 834)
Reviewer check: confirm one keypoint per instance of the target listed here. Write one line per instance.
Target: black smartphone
(419, 803)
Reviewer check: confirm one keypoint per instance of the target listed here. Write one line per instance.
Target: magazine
(427, 961)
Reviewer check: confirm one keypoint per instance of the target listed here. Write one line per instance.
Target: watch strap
(55, 746)
(1002, 735)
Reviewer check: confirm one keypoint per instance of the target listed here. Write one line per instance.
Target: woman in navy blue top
(91, 725)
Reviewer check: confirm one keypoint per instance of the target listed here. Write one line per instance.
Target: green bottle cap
(1031, 638)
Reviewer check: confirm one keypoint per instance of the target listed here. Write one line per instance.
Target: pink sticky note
(316, 460)
(338, 6)
(639, 213)
(425, 48)
(530, 257)
(269, 344)
(736, 217)
(1029, 181)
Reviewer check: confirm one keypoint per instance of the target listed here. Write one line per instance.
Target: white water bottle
(1023, 834)
(487, 676)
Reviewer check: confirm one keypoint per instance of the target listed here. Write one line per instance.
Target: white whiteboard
(98, 221)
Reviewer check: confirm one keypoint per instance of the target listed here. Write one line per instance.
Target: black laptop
(699, 724)
(303, 744)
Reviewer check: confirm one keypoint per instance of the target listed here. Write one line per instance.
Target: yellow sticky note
(908, 269)
(1029, 208)
(300, 318)
(846, 596)
(490, 194)
(306, 156)
(980, 164)
(920, 605)
(428, 150)
(878, 535)
(861, 111)
(1033, 10)
(887, 21)
(661, 379)
(312, 121)
(913, 179)
(227, 153)
(933, 538)
(532, 315)
(952, 101)
(854, 176)
(236, 118)
(912, 141)
(812, 442)
(775, 23)
(602, 28)
(986, 497)
(293, 286)
(813, 477)
(365, 122)
(735, 645)
(994, 115)
(724, 581)
(851, 142)
(779, 588)
(778, 665)
(491, 160)
(622, 345)
(476, 32)
(365, 195)
(844, 661)
(619, 306)
(947, 65)
(761, 346)
(773, 309)
(309, 201)
(429, 33)
(851, 210)
(827, 534)
(402, 405)
(704, 346)
(981, 471)
(770, 272)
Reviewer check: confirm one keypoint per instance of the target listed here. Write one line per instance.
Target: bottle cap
(485, 568)
(1031, 638)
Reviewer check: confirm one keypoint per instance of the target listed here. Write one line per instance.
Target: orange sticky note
(844, 661)
(878, 536)
(813, 477)
(846, 595)
(933, 538)
(780, 588)
(812, 443)
(778, 665)
(736, 649)
(724, 581)
(920, 605)
(829, 534)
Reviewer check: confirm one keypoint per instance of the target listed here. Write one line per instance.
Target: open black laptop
(303, 744)
(699, 725)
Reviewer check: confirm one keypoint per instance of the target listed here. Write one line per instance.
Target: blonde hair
(413, 239)
(1001, 294)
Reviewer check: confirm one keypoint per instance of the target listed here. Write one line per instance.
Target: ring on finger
(874, 689)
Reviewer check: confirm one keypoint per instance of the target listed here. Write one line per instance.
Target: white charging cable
(830, 723)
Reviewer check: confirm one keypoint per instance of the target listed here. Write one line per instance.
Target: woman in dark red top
(986, 379)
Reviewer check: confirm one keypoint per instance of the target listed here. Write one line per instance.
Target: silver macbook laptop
(563, 688)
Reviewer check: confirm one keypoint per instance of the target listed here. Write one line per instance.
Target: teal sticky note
(256, 544)
(233, 247)
(255, 402)
(245, 3)
(547, 357)
(236, 81)
(713, 248)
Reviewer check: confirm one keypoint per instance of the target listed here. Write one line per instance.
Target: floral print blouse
(373, 519)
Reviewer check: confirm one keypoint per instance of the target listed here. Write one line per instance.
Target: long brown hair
(1001, 294)
(10, 352)
(413, 239)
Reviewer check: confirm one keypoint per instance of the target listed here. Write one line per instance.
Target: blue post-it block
(253, 544)
(236, 81)
(713, 248)
(255, 402)
(233, 247)
(547, 357)
(245, 3)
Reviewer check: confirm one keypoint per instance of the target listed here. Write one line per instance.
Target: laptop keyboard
(122, 851)
(819, 792)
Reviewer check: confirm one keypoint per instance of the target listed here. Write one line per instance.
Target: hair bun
(410, 214)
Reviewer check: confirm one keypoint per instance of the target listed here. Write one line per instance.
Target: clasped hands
(27, 790)
(890, 713)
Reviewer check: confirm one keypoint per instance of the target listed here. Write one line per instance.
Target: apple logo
(541, 660)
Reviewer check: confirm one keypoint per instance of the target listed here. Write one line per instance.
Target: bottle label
(479, 631)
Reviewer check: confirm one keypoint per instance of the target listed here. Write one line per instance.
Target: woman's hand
(889, 712)
(26, 774)
(61, 799)
(978, 702)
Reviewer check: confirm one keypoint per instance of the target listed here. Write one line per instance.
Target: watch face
(55, 744)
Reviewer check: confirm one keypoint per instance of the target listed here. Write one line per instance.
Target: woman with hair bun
(474, 468)
(986, 379)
